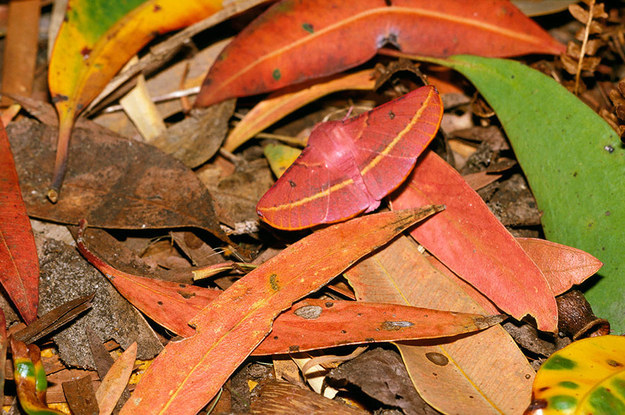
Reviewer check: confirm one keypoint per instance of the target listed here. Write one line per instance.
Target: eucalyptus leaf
(573, 161)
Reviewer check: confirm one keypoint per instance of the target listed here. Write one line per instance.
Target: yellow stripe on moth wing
(308, 199)
(397, 139)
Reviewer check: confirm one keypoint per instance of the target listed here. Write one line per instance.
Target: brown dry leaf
(197, 138)
(485, 373)
(112, 182)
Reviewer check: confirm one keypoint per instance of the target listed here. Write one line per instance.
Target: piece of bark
(576, 318)
(66, 275)
(80, 396)
(381, 374)
(281, 398)
(101, 357)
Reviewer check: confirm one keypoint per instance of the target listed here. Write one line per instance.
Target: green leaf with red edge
(349, 166)
(188, 373)
(19, 265)
(30, 379)
(470, 240)
(334, 323)
(297, 40)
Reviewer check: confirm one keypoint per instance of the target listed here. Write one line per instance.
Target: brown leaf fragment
(115, 381)
(101, 357)
(80, 396)
(278, 398)
(54, 319)
(197, 138)
(64, 276)
(112, 181)
(381, 374)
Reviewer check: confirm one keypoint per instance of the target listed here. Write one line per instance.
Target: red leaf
(349, 166)
(19, 265)
(468, 239)
(297, 40)
(188, 373)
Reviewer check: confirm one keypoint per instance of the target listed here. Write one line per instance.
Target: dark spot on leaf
(343, 331)
(292, 183)
(182, 285)
(537, 404)
(511, 76)
(527, 376)
(276, 74)
(329, 304)
(437, 358)
(391, 115)
(159, 302)
(544, 388)
(609, 149)
(574, 174)
(370, 340)
(156, 8)
(85, 52)
(614, 363)
(275, 337)
(294, 348)
(608, 213)
(186, 294)
(388, 3)
(309, 312)
(308, 27)
(59, 98)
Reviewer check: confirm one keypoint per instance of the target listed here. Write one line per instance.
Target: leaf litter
(159, 253)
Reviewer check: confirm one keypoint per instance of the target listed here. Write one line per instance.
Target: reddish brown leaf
(349, 166)
(19, 265)
(187, 374)
(563, 266)
(468, 239)
(295, 41)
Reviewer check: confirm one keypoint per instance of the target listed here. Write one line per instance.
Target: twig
(582, 53)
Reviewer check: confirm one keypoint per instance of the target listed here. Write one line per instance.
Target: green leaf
(586, 377)
(573, 161)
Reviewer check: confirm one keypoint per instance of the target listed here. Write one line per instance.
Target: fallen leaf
(80, 396)
(117, 183)
(230, 327)
(484, 373)
(295, 41)
(563, 266)
(542, 7)
(349, 166)
(96, 39)
(19, 265)
(469, 240)
(115, 381)
(586, 377)
(30, 379)
(278, 105)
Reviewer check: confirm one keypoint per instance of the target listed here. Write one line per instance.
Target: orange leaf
(188, 373)
(19, 265)
(468, 239)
